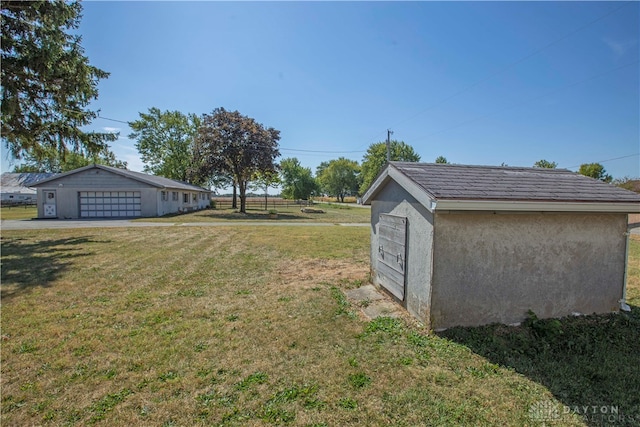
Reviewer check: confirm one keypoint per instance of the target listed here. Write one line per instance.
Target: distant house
(471, 245)
(98, 191)
(16, 188)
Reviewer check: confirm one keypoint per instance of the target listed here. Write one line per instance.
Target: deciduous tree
(47, 81)
(230, 144)
(55, 162)
(442, 159)
(628, 183)
(165, 142)
(545, 164)
(596, 171)
(376, 157)
(297, 181)
(263, 181)
(340, 178)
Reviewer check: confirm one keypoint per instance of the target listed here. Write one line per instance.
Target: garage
(99, 191)
(108, 204)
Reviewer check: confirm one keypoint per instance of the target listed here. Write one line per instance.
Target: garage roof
(156, 181)
(465, 187)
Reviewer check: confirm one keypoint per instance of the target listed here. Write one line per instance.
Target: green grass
(248, 326)
(333, 213)
(18, 212)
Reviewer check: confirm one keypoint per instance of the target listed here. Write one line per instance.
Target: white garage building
(98, 191)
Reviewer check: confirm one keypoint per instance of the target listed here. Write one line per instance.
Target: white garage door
(109, 204)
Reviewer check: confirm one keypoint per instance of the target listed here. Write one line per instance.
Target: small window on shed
(185, 197)
(174, 196)
(165, 196)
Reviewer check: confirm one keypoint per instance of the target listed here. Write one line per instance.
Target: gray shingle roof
(156, 181)
(463, 182)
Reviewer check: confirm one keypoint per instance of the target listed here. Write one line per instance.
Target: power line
(281, 148)
(455, 94)
(112, 120)
(321, 151)
(604, 161)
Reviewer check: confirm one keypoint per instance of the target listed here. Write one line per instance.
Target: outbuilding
(462, 245)
(98, 191)
(16, 188)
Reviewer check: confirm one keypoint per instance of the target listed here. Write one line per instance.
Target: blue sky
(477, 82)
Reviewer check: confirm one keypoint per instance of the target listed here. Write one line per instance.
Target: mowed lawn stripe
(246, 326)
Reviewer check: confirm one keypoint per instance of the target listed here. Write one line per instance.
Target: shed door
(392, 238)
(109, 204)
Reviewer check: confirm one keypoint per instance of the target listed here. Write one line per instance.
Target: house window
(185, 197)
(174, 196)
(165, 196)
(195, 198)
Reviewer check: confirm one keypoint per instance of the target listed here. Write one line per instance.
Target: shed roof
(465, 187)
(21, 182)
(156, 181)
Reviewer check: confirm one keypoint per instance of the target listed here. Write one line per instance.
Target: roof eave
(391, 173)
(535, 206)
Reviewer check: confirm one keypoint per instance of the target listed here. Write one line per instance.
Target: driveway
(40, 224)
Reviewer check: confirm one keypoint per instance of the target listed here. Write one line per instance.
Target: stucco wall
(496, 267)
(394, 200)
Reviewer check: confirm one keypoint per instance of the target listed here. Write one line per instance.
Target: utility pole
(389, 133)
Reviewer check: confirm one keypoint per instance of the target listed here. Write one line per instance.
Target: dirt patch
(308, 273)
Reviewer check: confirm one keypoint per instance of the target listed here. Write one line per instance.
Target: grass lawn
(18, 212)
(187, 326)
(333, 213)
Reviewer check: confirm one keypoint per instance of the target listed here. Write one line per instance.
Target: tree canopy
(442, 159)
(545, 164)
(596, 171)
(628, 183)
(47, 81)
(298, 182)
(376, 157)
(56, 163)
(165, 141)
(233, 145)
(339, 178)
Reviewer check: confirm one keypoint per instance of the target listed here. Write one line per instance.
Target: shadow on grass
(27, 264)
(591, 364)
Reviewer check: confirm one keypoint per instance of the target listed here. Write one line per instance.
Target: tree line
(48, 85)
(227, 149)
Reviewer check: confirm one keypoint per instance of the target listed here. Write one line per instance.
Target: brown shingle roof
(463, 182)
